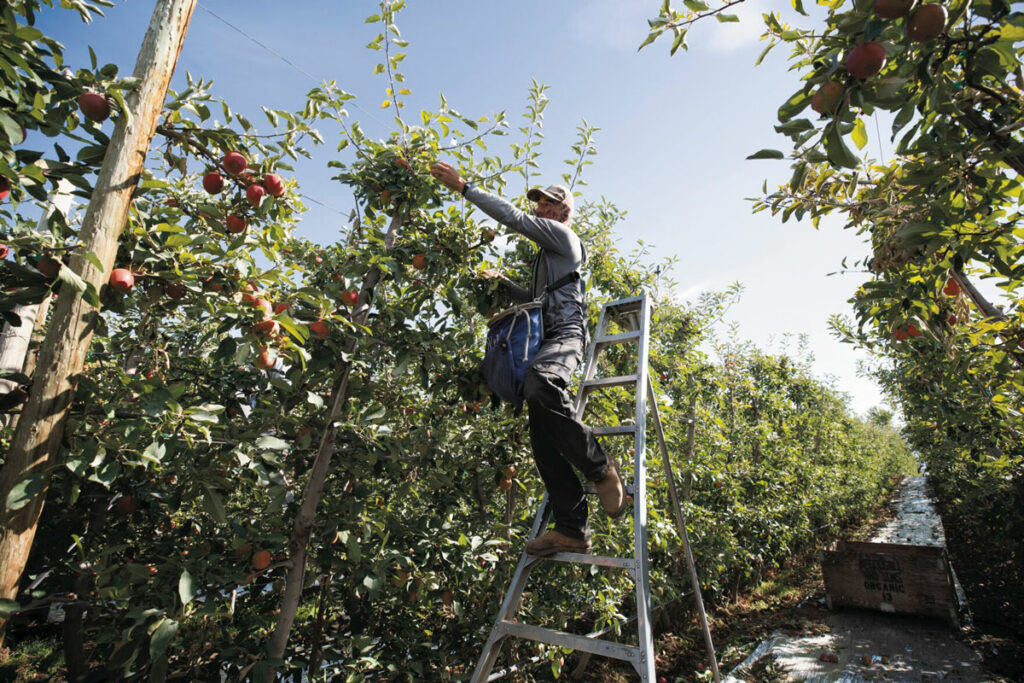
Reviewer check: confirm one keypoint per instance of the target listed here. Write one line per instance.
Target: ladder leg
(510, 604)
(709, 644)
(645, 634)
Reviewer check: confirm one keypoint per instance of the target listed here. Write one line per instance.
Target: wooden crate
(903, 579)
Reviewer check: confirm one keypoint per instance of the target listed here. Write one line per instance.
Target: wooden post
(314, 489)
(37, 439)
(14, 341)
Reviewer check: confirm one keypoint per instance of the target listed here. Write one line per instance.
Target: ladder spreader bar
(603, 648)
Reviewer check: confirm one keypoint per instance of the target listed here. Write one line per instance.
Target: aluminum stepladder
(634, 316)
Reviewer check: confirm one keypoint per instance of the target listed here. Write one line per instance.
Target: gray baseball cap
(556, 193)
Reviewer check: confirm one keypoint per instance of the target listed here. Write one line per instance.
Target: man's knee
(539, 387)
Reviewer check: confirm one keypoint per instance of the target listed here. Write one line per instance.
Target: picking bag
(513, 337)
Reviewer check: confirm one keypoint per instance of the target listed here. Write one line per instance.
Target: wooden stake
(37, 439)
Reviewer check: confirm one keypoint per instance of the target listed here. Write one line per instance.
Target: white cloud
(612, 23)
(731, 36)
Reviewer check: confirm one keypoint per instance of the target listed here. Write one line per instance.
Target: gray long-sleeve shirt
(561, 253)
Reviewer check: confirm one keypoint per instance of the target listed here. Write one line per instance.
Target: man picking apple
(560, 441)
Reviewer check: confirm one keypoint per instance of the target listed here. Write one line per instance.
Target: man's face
(547, 208)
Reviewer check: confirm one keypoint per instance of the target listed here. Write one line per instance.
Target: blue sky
(674, 131)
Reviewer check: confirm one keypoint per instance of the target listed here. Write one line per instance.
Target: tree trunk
(313, 492)
(37, 440)
(14, 341)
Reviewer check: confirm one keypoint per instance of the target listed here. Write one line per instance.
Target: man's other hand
(448, 176)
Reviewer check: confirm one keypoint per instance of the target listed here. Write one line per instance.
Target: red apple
(48, 266)
(235, 224)
(234, 163)
(254, 194)
(419, 261)
(899, 334)
(94, 106)
(927, 23)
(5, 187)
(280, 308)
(268, 308)
(866, 60)
(125, 505)
(350, 298)
(828, 97)
(213, 182)
(952, 319)
(266, 328)
(403, 163)
(175, 290)
(952, 287)
(319, 328)
(261, 559)
(266, 359)
(913, 331)
(892, 9)
(122, 280)
(4, 251)
(273, 184)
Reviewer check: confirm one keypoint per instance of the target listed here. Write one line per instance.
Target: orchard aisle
(858, 645)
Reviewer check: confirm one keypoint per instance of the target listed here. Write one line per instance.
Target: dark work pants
(560, 441)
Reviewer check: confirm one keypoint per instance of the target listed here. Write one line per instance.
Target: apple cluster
(867, 59)
(235, 165)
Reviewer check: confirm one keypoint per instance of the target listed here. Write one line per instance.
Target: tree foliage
(941, 302)
(215, 384)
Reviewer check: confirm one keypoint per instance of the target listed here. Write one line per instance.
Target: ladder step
(599, 560)
(629, 305)
(614, 431)
(621, 338)
(594, 646)
(619, 381)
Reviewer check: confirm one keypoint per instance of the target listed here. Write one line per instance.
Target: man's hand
(491, 274)
(448, 176)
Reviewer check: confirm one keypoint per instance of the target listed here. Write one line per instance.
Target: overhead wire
(298, 69)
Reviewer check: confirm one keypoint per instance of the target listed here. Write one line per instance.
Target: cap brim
(536, 193)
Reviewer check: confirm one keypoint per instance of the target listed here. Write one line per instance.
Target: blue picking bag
(513, 337)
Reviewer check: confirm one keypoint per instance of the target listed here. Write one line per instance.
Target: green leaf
(25, 490)
(8, 608)
(798, 5)
(838, 153)
(271, 443)
(696, 5)
(186, 587)
(859, 134)
(165, 630)
(154, 453)
(727, 18)
(214, 505)
(767, 154)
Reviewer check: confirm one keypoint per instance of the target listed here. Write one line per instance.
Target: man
(560, 441)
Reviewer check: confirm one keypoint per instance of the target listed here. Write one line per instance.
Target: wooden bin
(902, 579)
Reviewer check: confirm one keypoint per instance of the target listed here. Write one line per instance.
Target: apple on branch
(94, 106)
(122, 280)
(213, 182)
(234, 163)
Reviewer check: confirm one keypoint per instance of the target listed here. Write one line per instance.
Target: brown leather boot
(556, 542)
(611, 492)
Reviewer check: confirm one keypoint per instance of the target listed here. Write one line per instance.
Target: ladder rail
(645, 635)
(681, 521)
